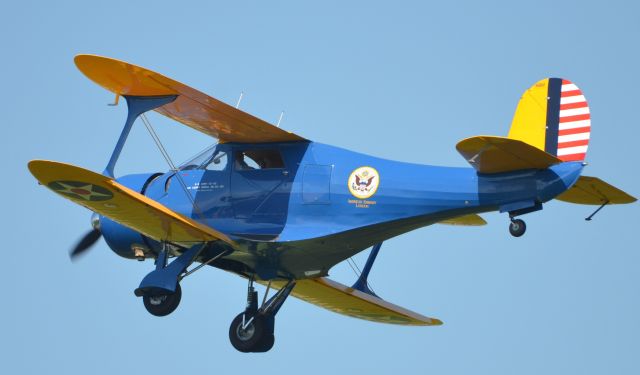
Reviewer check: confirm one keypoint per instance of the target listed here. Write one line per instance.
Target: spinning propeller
(88, 240)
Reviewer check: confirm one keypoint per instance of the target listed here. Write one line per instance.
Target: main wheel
(265, 344)
(517, 227)
(163, 305)
(251, 336)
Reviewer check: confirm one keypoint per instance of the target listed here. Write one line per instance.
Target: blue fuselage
(298, 216)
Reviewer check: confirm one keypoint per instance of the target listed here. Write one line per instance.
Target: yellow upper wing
(489, 154)
(105, 196)
(344, 300)
(592, 190)
(192, 107)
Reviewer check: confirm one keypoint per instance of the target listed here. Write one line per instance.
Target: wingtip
(81, 59)
(36, 165)
(436, 322)
(429, 322)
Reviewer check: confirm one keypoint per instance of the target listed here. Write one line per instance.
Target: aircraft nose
(95, 221)
(124, 241)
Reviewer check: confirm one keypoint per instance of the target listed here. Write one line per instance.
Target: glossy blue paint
(300, 219)
(316, 184)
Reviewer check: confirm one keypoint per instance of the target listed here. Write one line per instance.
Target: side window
(258, 159)
(218, 162)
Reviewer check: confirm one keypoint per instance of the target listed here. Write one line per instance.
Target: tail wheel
(517, 227)
(162, 305)
(250, 333)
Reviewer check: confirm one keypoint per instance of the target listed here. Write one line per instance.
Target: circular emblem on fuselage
(363, 182)
(81, 190)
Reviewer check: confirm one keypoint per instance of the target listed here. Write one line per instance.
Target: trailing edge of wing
(105, 196)
(344, 300)
(472, 220)
(592, 190)
(192, 107)
(489, 154)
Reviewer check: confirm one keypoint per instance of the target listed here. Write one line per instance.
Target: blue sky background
(400, 80)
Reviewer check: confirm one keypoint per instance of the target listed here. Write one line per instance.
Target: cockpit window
(218, 162)
(211, 159)
(258, 159)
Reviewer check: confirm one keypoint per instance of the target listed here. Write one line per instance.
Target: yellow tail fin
(553, 116)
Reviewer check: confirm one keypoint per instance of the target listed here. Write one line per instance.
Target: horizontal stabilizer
(192, 107)
(105, 196)
(471, 220)
(489, 154)
(344, 300)
(592, 190)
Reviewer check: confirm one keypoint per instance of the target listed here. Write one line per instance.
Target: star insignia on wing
(81, 190)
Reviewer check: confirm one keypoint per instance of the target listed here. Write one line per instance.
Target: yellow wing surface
(471, 220)
(592, 190)
(344, 300)
(105, 196)
(192, 107)
(489, 154)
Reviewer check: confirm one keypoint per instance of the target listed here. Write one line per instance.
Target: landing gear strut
(252, 330)
(160, 289)
(517, 227)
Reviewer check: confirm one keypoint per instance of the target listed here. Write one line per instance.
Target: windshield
(210, 158)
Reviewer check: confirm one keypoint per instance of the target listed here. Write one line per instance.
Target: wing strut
(596, 211)
(137, 105)
(362, 284)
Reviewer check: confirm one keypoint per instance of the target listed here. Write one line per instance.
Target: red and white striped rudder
(574, 123)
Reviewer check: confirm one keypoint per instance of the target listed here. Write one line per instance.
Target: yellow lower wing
(592, 190)
(471, 220)
(344, 300)
(105, 196)
(489, 154)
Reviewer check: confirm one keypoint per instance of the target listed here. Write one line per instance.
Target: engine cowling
(124, 241)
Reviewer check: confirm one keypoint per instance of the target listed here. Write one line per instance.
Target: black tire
(265, 344)
(253, 337)
(517, 227)
(163, 305)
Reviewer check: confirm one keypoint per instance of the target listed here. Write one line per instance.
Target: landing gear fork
(517, 227)
(252, 331)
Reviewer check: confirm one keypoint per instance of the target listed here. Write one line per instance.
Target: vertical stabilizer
(553, 115)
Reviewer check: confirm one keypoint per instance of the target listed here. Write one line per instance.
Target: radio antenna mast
(280, 118)
(239, 100)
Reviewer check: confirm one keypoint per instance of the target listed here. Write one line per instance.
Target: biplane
(281, 210)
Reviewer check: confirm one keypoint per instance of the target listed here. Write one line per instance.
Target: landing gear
(517, 227)
(251, 333)
(162, 304)
(160, 289)
(252, 330)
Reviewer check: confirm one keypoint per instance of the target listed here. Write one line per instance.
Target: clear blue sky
(401, 80)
